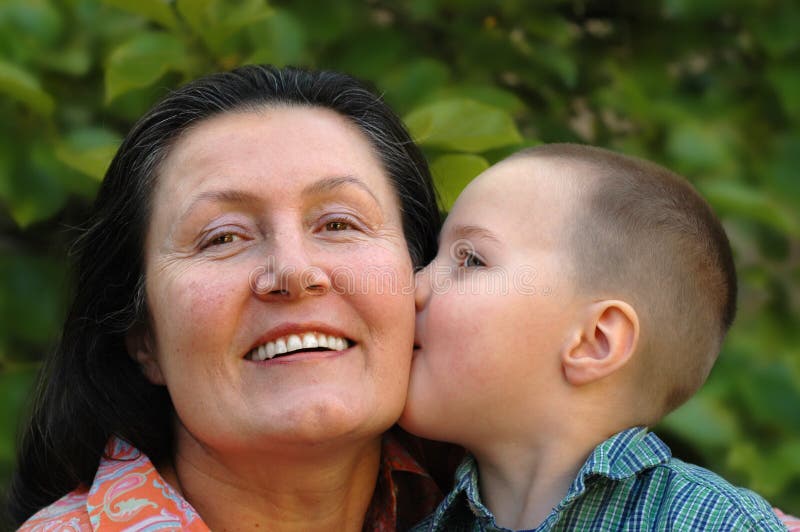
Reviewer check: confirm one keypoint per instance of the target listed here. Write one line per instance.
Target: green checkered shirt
(629, 482)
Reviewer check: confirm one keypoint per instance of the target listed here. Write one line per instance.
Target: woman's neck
(321, 489)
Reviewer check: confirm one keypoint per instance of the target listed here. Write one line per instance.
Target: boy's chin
(409, 423)
(423, 426)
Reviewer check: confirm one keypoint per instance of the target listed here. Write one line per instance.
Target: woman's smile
(289, 341)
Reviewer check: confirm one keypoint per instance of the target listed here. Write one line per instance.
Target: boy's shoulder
(630, 482)
(692, 497)
(633, 478)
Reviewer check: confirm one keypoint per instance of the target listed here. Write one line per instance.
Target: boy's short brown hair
(642, 233)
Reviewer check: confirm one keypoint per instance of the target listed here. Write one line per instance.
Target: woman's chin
(314, 422)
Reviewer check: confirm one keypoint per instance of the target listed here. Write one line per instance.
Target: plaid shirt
(629, 482)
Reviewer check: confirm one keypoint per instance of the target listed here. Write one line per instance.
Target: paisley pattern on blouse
(128, 494)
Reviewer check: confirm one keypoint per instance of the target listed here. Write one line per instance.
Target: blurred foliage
(708, 88)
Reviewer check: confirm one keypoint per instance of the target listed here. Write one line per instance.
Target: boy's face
(494, 308)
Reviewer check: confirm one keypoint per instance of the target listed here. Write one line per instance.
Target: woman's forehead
(278, 154)
(296, 143)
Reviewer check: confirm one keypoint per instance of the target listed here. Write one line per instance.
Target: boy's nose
(423, 288)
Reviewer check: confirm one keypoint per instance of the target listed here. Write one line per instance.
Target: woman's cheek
(199, 302)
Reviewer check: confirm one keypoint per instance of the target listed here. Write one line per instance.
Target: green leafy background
(709, 88)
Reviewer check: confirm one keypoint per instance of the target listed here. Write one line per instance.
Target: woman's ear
(606, 342)
(140, 345)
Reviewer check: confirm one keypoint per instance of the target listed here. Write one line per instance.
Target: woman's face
(269, 228)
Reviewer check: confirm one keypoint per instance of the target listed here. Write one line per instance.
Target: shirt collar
(624, 455)
(128, 492)
(405, 492)
(465, 493)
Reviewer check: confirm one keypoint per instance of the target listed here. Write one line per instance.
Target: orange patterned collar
(128, 492)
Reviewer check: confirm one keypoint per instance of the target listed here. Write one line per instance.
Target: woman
(242, 325)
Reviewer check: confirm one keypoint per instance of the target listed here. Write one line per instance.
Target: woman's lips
(307, 341)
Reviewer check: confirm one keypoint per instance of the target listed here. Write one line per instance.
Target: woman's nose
(289, 272)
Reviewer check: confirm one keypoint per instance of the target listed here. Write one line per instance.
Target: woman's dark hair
(90, 389)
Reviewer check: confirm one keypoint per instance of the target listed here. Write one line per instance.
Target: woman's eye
(225, 238)
(337, 225)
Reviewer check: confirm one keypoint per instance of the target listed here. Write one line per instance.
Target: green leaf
(369, 53)
(488, 94)
(770, 472)
(703, 420)
(89, 151)
(24, 88)
(776, 29)
(237, 15)
(452, 173)
(15, 387)
(327, 21)
(279, 40)
(35, 188)
(8, 160)
(770, 393)
(730, 198)
(33, 298)
(411, 83)
(142, 60)
(74, 60)
(697, 146)
(216, 21)
(36, 23)
(554, 29)
(195, 13)
(559, 62)
(781, 167)
(785, 78)
(691, 9)
(158, 11)
(463, 125)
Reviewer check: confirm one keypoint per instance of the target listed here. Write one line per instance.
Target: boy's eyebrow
(474, 231)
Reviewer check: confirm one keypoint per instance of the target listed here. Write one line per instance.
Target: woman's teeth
(296, 342)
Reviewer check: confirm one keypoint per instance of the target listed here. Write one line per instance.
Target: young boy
(578, 297)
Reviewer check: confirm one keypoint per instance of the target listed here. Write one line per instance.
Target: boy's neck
(522, 481)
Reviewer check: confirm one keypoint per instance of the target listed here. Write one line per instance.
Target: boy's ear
(606, 341)
(140, 345)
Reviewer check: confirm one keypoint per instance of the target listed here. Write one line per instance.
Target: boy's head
(568, 273)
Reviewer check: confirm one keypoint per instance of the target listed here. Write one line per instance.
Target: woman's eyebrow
(240, 197)
(332, 183)
(230, 196)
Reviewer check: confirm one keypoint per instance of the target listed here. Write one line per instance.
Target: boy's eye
(471, 260)
(466, 257)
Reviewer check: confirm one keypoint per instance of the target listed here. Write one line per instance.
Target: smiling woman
(224, 398)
